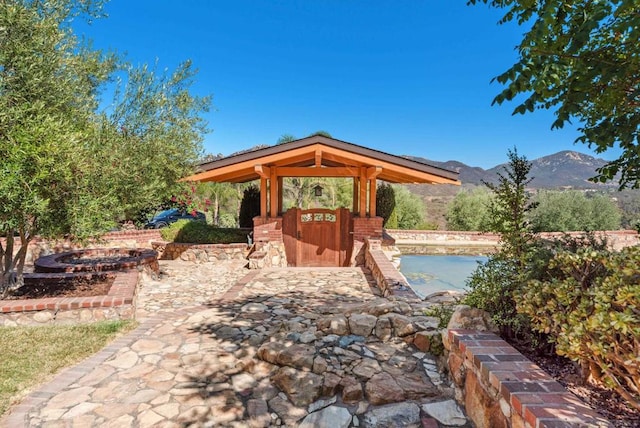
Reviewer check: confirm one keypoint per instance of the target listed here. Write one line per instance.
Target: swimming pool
(429, 274)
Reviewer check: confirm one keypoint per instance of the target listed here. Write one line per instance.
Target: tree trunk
(216, 210)
(13, 266)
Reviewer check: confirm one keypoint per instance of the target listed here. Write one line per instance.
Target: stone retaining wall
(118, 304)
(439, 237)
(617, 239)
(438, 250)
(200, 253)
(268, 254)
(499, 387)
(389, 280)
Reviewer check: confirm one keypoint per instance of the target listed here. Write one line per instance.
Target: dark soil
(73, 288)
(607, 403)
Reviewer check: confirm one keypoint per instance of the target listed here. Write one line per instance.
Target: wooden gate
(317, 237)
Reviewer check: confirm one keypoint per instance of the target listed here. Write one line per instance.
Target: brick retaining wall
(117, 304)
(499, 387)
(267, 229)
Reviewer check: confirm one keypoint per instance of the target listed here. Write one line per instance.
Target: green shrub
(443, 312)
(170, 232)
(492, 287)
(427, 225)
(499, 284)
(195, 232)
(591, 308)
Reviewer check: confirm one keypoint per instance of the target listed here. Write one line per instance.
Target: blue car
(166, 217)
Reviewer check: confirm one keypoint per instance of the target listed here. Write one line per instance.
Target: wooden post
(363, 192)
(273, 193)
(356, 192)
(280, 189)
(372, 197)
(263, 197)
(372, 173)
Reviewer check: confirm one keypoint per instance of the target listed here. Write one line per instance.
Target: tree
(572, 210)
(582, 59)
(48, 85)
(321, 133)
(469, 210)
(218, 195)
(65, 168)
(386, 205)
(285, 138)
(493, 286)
(510, 205)
(409, 208)
(249, 206)
(629, 203)
(297, 190)
(156, 125)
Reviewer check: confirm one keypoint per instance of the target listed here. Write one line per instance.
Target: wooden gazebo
(319, 156)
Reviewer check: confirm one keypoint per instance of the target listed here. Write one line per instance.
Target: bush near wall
(591, 308)
(195, 232)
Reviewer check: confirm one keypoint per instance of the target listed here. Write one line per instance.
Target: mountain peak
(564, 169)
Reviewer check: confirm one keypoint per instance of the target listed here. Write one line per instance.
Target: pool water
(429, 274)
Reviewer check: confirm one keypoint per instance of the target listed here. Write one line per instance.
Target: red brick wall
(142, 237)
(501, 388)
(367, 227)
(267, 229)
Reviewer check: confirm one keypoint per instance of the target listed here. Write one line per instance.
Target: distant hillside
(561, 170)
(566, 169)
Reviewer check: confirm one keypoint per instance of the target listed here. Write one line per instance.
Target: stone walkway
(219, 345)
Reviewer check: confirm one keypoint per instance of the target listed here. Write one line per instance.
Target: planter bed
(117, 304)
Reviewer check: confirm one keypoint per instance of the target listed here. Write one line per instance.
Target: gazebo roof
(320, 156)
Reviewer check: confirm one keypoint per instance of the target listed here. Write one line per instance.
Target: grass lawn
(32, 355)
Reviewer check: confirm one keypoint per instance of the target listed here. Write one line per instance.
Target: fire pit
(98, 260)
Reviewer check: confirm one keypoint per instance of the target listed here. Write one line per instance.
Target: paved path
(192, 361)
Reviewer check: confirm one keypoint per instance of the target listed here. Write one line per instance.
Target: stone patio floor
(219, 345)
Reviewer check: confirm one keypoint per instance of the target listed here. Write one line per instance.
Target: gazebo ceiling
(319, 156)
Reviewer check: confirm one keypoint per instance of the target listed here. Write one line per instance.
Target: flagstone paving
(219, 345)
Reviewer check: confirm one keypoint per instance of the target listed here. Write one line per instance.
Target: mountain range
(562, 170)
(565, 169)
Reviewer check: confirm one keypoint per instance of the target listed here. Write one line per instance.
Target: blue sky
(407, 77)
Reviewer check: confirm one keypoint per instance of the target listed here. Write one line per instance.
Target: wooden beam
(263, 197)
(213, 175)
(318, 158)
(262, 171)
(373, 172)
(304, 158)
(273, 193)
(372, 197)
(363, 192)
(410, 175)
(318, 172)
